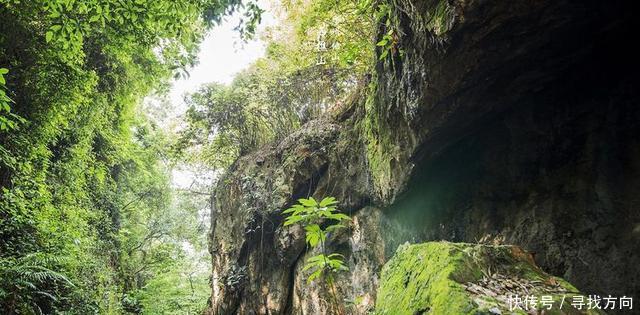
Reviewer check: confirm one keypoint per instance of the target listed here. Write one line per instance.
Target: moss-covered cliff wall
(512, 122)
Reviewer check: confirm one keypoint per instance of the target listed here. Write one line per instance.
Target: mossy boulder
(462, 278)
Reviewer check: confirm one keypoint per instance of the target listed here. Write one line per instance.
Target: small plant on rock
(313, 215)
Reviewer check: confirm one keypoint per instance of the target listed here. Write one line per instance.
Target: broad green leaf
(308, 202)
(292, 220)
(328, 201)
(384, 54)
(312, 228)
(314, 275)
(315, 259)
(309, 266)
(294, 209)
(312, 239)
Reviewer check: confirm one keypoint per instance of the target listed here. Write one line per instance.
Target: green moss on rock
(382, 149)
(441, 18)
(460, 278)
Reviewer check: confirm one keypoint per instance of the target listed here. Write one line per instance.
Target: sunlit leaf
(328, 201)
(308, 202)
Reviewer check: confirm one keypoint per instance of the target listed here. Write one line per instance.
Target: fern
(27, 279)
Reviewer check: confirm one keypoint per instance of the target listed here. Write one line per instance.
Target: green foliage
(8, 121)
(313, 215)
(389, 41)
(349, 32)
(183, 289)
(221, 110)
(321, 263)
(287, 87)
(24, 276)
(83, 175)
(173, 25)
(435, 276)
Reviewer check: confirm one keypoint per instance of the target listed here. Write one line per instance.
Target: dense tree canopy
(86, 214)
(89, 221)
(315, 58)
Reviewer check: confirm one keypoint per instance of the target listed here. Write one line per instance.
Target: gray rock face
(524, 123)
(513, 122)
(364, 250)
(256, 262)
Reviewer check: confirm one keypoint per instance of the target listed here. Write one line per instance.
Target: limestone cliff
(512, 122)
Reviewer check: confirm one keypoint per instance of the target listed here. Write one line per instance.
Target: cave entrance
(553, 171)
